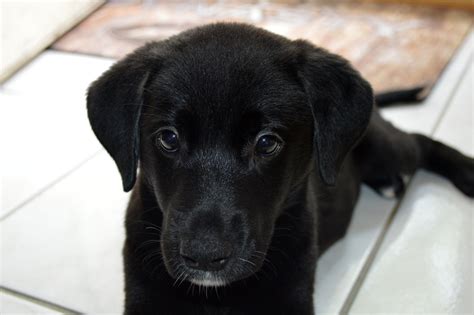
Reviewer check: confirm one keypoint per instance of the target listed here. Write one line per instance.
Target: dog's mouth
(238, 269)
(201, 278)
(207, 279)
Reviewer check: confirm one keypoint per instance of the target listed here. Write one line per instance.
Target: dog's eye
(168, 140)
(267, 144)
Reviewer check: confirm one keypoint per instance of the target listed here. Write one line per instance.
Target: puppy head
(226, 121)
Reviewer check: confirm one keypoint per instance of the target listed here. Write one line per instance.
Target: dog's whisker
(217, 292)
(263, 255)
(248, 269)
(146, 243)
(247, 261)
(153, 228)
(147, 223)
(152, 241)
(179, 276)
(150, 256)
(267, 262)
(183, 279)
(191, 287)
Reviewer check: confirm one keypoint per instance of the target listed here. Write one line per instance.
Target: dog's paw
(388, 192)
(391, 187)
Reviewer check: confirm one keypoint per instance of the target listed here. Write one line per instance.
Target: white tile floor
(11, 304)
(43, 106)
(62, 208)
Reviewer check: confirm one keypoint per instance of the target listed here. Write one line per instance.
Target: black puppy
(252, 150)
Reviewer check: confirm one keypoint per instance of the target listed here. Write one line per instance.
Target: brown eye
(267, 145)
(168, 140)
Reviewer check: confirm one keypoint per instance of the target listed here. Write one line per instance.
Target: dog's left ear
(114, 104)
(341, 102)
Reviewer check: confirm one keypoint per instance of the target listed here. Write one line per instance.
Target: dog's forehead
(219, 85)
(220, 74)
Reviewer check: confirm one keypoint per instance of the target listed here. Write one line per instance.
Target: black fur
(217, 211)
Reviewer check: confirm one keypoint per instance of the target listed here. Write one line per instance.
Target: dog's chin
(210, 278)
(231, 274)
(207, 279)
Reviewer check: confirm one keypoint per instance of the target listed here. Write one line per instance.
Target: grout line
(81, 54)
(373, 253)
(349, 301)
(48, 186)
(39, 302)
(451, 96)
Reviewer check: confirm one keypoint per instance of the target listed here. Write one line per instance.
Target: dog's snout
(209, 257)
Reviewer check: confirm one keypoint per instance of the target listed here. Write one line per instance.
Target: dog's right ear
(114, 104)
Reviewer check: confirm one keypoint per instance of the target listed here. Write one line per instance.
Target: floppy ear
(341, 102)
(114, 103)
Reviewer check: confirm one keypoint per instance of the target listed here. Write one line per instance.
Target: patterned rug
(395, 46)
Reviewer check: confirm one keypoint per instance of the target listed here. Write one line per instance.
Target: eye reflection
(168, 139)
(267, 144)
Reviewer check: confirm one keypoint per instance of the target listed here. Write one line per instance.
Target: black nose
(211, 257)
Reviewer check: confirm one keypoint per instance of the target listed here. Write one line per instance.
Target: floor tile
(54, 72)
(43, 140)
(425, 262)
(11, 305)
(44, 125)
(65, 246)
(457, 126)
(339, 267)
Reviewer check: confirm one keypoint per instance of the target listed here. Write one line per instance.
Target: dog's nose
(208, 258)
